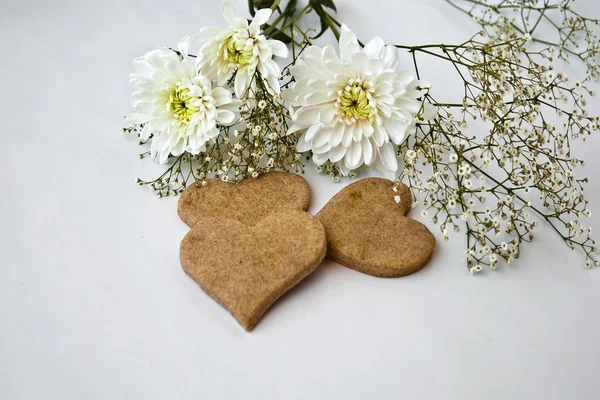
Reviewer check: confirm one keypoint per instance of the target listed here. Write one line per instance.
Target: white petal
(260, 18)
(368, 152)
(322, 149)
(320, 138)
(178, 147)
(137, 118)
(337, 153)
(184, 46)
(312, 131)
(273, 82)
(347, 135)
(265, 52)
(345, 171)
(375, 48)
(242, 81)
(221, 96)
(279, 48)
(337, 133)
(302, 144)
(270, 68)
(379, 137)
(396, 130)
(320, 159)
(225, 117)
(387, 157)
(390, 58)
(353, 157)
(307, 116)
(327, 113)
(207, 33)
(294, 128)
(405, 77)
(348, 44)
(229, 12)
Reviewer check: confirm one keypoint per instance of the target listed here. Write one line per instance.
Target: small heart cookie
(246, 268)
(368, 231)
(248, 201)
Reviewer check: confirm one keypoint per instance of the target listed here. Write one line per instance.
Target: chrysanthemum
(240, 49)
(177, 105)
(353, 108)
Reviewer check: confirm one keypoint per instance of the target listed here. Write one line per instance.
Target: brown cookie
(246, 268)
(367, 230)
(248, 201)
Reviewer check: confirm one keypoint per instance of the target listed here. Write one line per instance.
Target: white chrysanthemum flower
(176, 104)
(240, 49)
(354, 108)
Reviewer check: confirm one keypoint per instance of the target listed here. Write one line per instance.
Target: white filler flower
(176, 104)
(240, 49)
(353, 108)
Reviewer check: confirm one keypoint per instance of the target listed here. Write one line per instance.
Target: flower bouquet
(259, 94)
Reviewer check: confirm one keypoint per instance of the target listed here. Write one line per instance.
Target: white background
(94, 303)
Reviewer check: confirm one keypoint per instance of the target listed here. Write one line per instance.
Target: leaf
(329, 4)
(280, 36)
(318, 5)
(290, 9)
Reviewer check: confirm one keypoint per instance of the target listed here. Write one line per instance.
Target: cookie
(247, 268)
(367, 230)
(248, 201)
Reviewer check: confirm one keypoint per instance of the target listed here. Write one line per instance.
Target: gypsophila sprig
(496, 186)
(574, 35)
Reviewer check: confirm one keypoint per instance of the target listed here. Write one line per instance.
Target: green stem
(292, 22)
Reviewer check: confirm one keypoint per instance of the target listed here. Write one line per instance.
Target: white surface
(93, 301)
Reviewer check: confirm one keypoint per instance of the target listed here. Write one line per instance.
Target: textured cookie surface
(248, 201)
(368, 231)
(247, 268)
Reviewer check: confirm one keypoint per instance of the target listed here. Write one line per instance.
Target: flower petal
(369, 152)
(312, 131)
(279, 48)
(354, 156)
(348, 44)
(207, 33)
(229, 12)
(337, 133)
(307, 116)
(320, 159)
(375, 48)
(184, 46)
(337, 153)
(225, 117)
(294, 128)
(387, 157)
(320, 137)
(242, 81)
(302, 144)
(260, 18)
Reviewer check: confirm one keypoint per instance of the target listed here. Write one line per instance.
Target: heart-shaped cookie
(248, 201)
(367, 230)
(246, 268)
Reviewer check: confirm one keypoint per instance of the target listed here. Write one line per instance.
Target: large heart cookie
(246, 268)
(248, 201)
(367, 230)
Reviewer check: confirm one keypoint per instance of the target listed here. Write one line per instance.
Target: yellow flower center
(235, 53)
(354, 103)
(181, 104)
